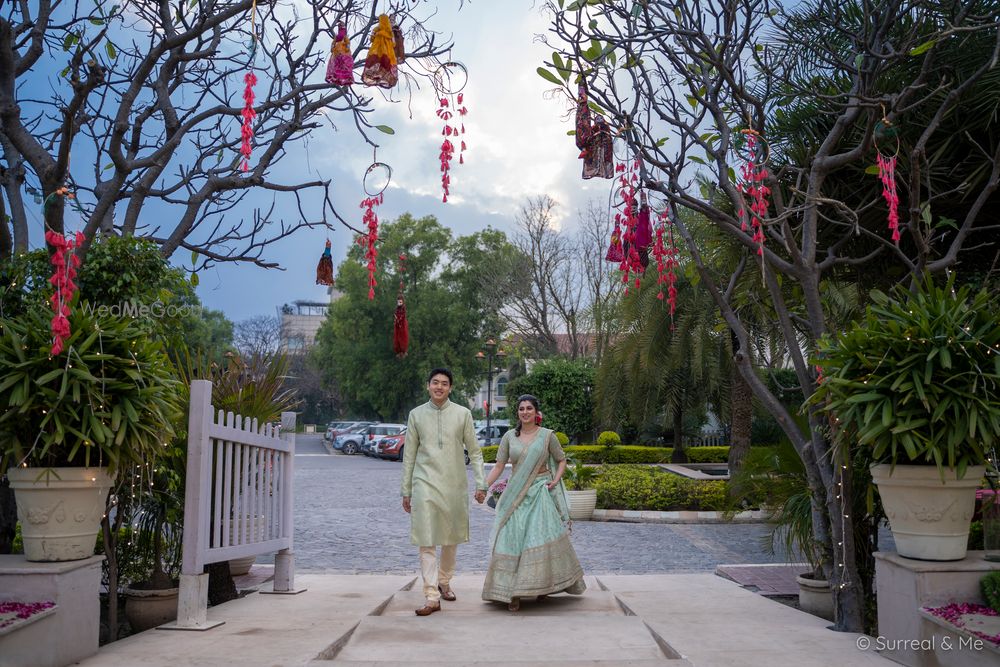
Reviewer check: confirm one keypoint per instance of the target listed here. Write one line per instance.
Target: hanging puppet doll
(397, 42)
(340, 69)
(400, 328)
(380, 65)
(594, 140)
(324, 270)
(643, 232)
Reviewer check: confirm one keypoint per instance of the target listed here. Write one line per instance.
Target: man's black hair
(441, 371)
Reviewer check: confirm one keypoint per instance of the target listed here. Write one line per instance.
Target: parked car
(376, 433)
(391, 447)
(492, 437)
(335, 428)
(350, 441)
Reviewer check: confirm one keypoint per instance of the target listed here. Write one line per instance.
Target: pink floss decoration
(370, 219)
(248, 116)
(65, 262)
(887, 174)
(752, 186)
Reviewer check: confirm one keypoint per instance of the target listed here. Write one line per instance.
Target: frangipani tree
(809, 93)
(136, 108)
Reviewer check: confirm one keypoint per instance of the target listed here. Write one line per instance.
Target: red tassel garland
(248, 116)
(752, 186)
(65, 262)
(370, 219)
(887, 174)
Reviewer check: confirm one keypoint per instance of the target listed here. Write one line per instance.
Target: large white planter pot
(815, 597)
(929, 519)
(147, 609)
(582, 504)
(240, 566)
(60, 510)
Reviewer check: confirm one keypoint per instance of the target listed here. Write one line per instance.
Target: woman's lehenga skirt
(533, 555)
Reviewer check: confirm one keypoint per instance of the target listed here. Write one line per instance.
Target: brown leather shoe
(428, 609)
(447, 594)
(515, 604)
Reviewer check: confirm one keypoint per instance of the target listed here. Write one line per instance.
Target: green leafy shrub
(562, 438)
(916, 380)
(579, 476)
(990, 585)
(489, 453)
(608, 439)
(630, 454)
(630, 487)
(976, 542)
(109, 399)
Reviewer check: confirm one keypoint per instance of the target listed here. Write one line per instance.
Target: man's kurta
(434, 474)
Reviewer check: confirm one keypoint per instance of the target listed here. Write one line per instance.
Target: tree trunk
(8, 516)
(679, 454)
(110, 532)
(741, 416)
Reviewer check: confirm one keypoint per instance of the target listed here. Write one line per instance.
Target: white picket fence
(238, 499)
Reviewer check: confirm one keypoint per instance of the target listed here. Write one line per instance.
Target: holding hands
(480, 496)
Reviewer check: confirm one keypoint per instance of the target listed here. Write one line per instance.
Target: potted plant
(580, 491)
(917, 383)
(69, 422)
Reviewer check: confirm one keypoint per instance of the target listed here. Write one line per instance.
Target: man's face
(439, 387)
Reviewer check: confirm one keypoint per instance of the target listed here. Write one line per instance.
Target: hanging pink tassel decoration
(447, 148)
(65, 262)
(672, 253)
(615, 252)
(248, 116)
(754, 174)
(370, 220)
(462, 111)
(631, 264)
(887, 174)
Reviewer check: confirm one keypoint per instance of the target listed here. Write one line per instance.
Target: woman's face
(526, 412)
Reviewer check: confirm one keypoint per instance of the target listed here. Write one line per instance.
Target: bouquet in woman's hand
(498, 488)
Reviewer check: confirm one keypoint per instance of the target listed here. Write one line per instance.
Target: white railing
(237, 500)
(709, 439)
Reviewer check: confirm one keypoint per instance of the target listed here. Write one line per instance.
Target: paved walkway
(346, 504)
(367, 621)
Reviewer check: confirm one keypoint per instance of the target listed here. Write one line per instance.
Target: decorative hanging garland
(249, 80)
(324, 270)
(887, 174)
(451, 101)
(400, 328)
(65, 261)
(380, 65)
(666, 261)
(752, 187)
(340, 69)
(628, 218)
(370, 220)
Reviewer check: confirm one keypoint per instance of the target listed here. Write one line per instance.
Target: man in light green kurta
(435, 484)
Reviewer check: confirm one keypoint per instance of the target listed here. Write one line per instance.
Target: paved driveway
(348, 518)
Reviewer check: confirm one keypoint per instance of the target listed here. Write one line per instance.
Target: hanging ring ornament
(370, 189)
(446, 83)
(761, 141)
(886, 129)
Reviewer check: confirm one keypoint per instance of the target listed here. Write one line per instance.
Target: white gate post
(192, 599)
(284, 560)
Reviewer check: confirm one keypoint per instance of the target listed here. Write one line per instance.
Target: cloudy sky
(517, 147)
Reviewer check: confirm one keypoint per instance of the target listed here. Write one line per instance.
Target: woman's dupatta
(535, 458)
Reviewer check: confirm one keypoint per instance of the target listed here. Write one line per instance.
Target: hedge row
(630, 454)
(630, 487)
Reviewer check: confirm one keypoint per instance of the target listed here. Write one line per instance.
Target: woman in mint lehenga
(531, 552)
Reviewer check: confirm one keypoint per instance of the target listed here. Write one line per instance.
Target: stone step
(656, 662)
(503, 638)
(470, 601)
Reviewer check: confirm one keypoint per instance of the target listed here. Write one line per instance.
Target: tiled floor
(768, 580)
